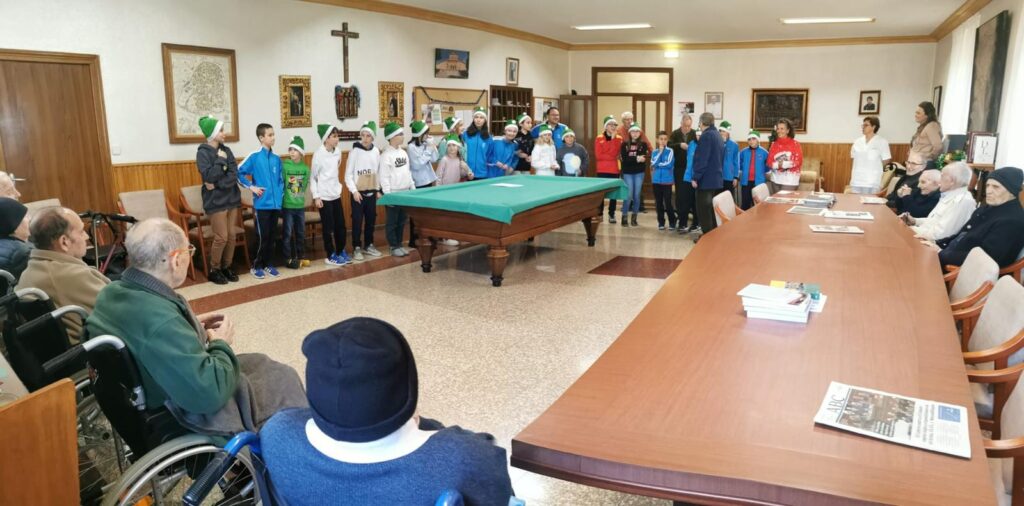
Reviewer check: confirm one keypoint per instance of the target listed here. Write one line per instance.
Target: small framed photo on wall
(512, 71)
(714, 102)
(981, 148)
(870, 102)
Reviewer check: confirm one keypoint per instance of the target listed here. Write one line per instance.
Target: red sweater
(606, 152)
(789, 149)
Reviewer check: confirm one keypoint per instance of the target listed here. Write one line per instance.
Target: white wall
(270, 38)
(835, 76)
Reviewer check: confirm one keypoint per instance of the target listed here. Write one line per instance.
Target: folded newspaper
(904, 420)
(836, 229)
(873, 200)
(848, 215)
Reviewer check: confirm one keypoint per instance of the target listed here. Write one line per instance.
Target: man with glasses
(7, 188)
(186, 361)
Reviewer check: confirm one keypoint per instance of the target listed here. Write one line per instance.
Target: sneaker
(611, 219)
(272, 272)
(256, 273)
(682, 230)
(661, 227)
(292, 264)
(357, 254)
(229, 273)
(450, 242)
(303, 263)
(217, 277)
(344, 258)
(332, 260)
(671, 226)
(398, 252)
(696, 229)
(625, 222)
(373, 251)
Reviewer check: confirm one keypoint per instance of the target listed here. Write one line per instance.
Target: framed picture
(199, 81)
(714, 102)
(541, 106)
(981, 148)
(391, 97)
(870, 102)
(296, 108)
(768, 106)
(991, 47)
(453, 64)
(937, 99)
(686, 107)
(511, 71)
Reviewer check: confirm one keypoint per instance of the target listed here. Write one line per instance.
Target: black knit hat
(11, 214)
(361, 379)
(1010, 177)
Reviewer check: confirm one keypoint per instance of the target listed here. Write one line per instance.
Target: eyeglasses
(191, 249)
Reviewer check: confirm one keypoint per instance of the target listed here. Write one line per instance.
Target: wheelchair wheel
(162, 476)
(102, 455)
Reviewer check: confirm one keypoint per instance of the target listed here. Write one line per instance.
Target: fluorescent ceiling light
(816, 21)
(625, 26)
(671, 53)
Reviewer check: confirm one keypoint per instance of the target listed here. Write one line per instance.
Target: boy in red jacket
(606, 151)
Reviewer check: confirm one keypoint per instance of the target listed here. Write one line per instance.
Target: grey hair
(627, 113)
(150, 243)
(960, 171)
(707, 119)
(932, 175)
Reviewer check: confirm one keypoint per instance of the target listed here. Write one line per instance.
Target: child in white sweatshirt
(361, 181)
(325, 187)
(395, 177)
(543, 158)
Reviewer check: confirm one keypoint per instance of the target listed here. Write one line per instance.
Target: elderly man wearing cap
(7, 188)
(361, 440)
(997, 228)
(218, 168)
(14, 247)
(753, 166)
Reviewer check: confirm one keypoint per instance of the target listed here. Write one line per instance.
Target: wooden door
(578, 112)
(53, 128)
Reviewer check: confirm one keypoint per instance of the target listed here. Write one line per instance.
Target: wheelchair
(166, 458)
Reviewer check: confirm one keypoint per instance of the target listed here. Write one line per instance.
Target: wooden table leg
(591, 225)
(497, 256)
(426, 248)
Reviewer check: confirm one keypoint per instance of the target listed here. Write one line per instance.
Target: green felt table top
(501, 198)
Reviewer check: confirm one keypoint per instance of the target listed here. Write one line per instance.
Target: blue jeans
(634, 182)
(294, 232)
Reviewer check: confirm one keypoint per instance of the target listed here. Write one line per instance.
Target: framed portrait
(392, 104)
(512, 71)
(686, 107)
(937, 99)
(981, 148)
(714, 102)
(870, 102)
(296, 109)
(453, 64)
(768, 106)
(199, 81)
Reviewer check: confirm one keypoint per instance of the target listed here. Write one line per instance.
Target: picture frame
(937, 99)
(199, 81)
(512, 71)
(391, 99)
(981, 148)
(541, 106)
(769, 105)
(991, 50)
(714, 102)
(686, 107)
(451, 64)
(870, 103)
(296, 101)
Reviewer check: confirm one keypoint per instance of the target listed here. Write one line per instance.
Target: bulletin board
(432, 105)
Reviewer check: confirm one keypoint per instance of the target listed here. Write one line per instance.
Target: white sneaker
(357, 255)
(398, 252)
(373, 251)
(451, 242)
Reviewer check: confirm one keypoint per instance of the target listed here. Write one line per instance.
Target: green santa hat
(210, 126)
(324, 131)
(511, 124)
(453, 139)
(297, 144)
(544, 129)
(754, 134)
(418, 128)
(608, 119)
(392, 130)
(634, 128)
(725, 125)
(481, 111)
(568, 132)
(449, 123)
(369, 127)
(522, 117)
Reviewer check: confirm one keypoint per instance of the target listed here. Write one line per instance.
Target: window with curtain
(956, 100)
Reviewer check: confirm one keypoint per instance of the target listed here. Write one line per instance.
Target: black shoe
(229, 274)
(632, 220)
(625, 221)
(611, 219)
(217, 277)
(292, 263)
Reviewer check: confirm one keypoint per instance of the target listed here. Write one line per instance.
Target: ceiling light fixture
(671, 53)
(624, 26)
(817, 21)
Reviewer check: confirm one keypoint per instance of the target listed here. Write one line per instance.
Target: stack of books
(776, 303)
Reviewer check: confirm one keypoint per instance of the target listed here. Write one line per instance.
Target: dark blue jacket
(707, 162)
(265, 168)
(14, 255)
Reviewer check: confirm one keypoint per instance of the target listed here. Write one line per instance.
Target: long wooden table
(694, 402)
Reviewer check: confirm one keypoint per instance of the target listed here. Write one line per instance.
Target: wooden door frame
(667, 98)
(91, 61)
(589, 103)
(660, 70)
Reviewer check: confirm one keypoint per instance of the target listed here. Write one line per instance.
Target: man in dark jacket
(679, 141)
(221, 198)
(14, 248)
(997, 228)
(707, 170)
(919, 201)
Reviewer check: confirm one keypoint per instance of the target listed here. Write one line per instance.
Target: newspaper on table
(806, 211)
(908, 421)
(873, 200)
(849, 215)
(836, 229)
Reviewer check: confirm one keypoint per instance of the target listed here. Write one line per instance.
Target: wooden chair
(199, 229)
(1006, 451)
(725, 208)
(1015, 268)
(312, 219)
(760, 193)
(971, 282)
(890, 186)
(38, 435)
(146, 204)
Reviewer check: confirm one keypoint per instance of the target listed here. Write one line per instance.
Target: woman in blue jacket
(662, 179)
(753, 167)
(477, 139)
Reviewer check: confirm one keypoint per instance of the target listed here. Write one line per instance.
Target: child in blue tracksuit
(267, 187)
(689, 193)
(662, 178)
(753, 165)
(731, 158)
(501, 154)
(477, 139)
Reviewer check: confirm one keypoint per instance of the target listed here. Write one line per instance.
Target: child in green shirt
(296, 179)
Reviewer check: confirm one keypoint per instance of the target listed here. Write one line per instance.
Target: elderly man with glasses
(953, 210)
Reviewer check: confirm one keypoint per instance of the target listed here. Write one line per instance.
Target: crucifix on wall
(345, 35)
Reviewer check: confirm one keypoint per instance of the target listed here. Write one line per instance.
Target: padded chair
(1015, 268)
(146, 204)
(760, 193)
(1006, 451)
(34, 207)
(810, 175)
(725, 208)
(971, 282)
(199, 230)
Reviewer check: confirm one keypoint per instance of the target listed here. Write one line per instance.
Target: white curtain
(956, 95)
(1011, 126)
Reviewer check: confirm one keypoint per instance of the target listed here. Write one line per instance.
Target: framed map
(199, 81)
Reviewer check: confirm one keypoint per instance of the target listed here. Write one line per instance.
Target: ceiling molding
(968, 9)
(443, 18)
(756, 44)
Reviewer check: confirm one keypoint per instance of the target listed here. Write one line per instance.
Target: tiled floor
(490, 359)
